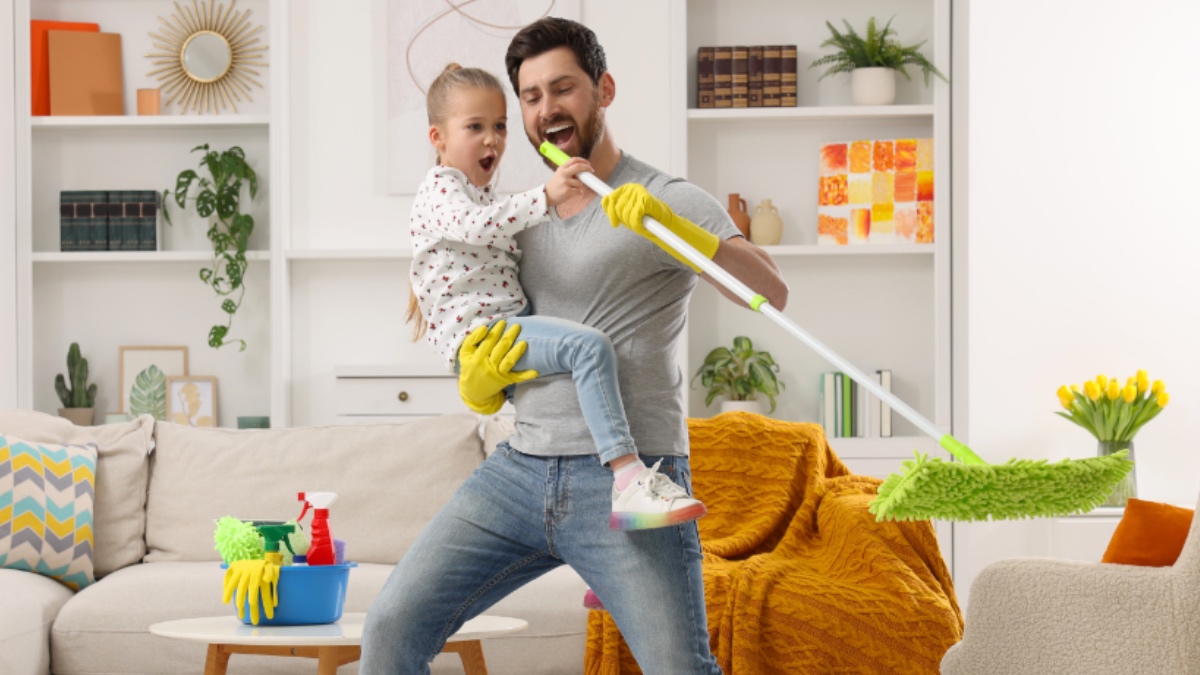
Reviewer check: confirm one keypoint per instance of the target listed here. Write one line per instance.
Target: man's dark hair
(552, 32)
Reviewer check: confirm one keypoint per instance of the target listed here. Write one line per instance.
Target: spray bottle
(272, 535)
(321, 552)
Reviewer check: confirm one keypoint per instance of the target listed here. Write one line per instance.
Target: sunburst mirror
(210, 56)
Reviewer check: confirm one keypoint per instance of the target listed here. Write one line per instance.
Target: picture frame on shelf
(192, 400)
(144, 371)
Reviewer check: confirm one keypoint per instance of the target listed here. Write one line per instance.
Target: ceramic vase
(744, 406)
(1128, 486)
(766, 227)
(737, 211)
(82, 417)
(873, 86)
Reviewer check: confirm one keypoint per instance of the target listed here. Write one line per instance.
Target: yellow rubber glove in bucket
(252, 580)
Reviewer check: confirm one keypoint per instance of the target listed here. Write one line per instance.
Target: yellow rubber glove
(485, 366)
(628, 203)
(250, 580)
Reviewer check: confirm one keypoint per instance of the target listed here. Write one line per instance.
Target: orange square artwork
(832, 228)
(876, 191)
(833, 160)
(833, 190)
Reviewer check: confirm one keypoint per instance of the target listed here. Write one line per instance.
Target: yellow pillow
(1150, 534)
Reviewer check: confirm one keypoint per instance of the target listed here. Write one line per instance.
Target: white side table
(331, 644)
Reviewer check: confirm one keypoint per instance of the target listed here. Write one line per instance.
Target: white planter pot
(873, 86)
(745, 406)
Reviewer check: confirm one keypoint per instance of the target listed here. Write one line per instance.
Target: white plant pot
(873, 86)
(744, 406)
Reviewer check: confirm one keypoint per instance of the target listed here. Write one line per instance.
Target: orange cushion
(1150, 534)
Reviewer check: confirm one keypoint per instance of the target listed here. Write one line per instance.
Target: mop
(969, 489)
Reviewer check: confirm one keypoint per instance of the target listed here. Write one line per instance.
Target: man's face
(560, 104)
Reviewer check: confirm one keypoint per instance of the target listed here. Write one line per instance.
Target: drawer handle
(403, 396)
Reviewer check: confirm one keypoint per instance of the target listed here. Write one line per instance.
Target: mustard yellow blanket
(798, 576)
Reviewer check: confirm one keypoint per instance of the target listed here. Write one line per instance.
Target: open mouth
(560, 134)
(487, 163)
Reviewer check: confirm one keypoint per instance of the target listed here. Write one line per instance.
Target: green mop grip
(759, 304)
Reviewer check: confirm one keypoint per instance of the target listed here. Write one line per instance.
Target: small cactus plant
(80, 395)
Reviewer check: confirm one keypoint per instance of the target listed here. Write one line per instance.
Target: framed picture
(192, 400)
(144, 373)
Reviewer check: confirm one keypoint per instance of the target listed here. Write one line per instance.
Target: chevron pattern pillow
(46, 495)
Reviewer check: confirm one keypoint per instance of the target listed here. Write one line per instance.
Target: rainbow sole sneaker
(652, 500)
(592, 601)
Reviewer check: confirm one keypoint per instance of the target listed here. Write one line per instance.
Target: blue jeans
(516, 518)
(561, 346)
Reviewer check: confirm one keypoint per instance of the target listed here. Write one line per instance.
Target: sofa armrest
(1046, 615)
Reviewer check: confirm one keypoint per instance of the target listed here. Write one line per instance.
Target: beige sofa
(159, 488)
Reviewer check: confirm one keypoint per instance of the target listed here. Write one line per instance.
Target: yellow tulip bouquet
(1112, 412)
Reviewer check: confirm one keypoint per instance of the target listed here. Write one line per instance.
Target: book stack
(848, 411)
(108, 220)
(83, 220)
(746, 77)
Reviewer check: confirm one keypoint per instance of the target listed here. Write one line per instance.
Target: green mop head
(1021, 488)
(237, 540)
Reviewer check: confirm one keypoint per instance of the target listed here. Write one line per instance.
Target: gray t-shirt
(612, 279)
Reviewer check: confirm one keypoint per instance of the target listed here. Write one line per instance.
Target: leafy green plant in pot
(220, 198)
(872, 61)
(79, 400)
(739, 374)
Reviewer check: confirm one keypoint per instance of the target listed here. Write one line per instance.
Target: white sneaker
(652, 500)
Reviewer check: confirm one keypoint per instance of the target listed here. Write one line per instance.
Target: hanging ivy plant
(219, 198)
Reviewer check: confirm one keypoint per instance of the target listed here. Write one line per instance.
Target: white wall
(339, 176)
(8, 217)
(1083, 238)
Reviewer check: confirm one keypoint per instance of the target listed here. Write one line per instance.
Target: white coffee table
(331, 644)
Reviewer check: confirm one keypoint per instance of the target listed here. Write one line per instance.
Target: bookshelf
(108, 299)
(880, 306)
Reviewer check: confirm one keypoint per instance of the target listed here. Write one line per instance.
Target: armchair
(1039, 615)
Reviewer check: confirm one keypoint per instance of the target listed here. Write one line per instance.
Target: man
(543, 499)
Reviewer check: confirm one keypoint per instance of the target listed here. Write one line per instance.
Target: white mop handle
(742, 291)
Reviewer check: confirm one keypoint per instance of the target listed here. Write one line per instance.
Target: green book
(83, 220)
(847, 406)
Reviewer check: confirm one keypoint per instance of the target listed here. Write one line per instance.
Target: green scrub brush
(237, 540)
(970, 489)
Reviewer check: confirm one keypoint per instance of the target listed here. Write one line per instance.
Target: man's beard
(586, 134)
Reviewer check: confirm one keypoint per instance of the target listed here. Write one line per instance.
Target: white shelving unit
(879, 306)
(108, 299)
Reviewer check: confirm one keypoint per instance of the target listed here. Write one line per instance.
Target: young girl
(464, 274)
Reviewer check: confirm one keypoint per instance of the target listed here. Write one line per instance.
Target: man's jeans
(516, 518)
(560, 346)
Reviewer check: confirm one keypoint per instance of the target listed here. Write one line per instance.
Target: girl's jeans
(561, 346)
(516, 518)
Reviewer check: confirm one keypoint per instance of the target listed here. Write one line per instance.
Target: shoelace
(661, 486)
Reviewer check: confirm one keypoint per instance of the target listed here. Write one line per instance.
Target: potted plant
(220, 198)
(740, 374)
(1113, 413)
(79, 402)
(872, 61)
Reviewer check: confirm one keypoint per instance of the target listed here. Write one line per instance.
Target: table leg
(471, 653)
(217, 661)
(327, 660)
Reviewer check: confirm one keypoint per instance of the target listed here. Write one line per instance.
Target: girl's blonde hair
(437, 103)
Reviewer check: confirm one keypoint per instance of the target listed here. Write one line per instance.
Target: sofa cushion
(392, 477)
(104, 624)
(1150, 534)
(25, 634)
(122, 469)
(46, 495)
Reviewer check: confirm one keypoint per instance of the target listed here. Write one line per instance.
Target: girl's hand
(564, 184)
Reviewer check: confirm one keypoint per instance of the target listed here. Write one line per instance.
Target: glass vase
(1128, 486)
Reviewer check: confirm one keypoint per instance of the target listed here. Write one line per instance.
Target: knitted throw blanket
(798, 576)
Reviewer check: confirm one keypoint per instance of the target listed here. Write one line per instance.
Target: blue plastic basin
(307, 596)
